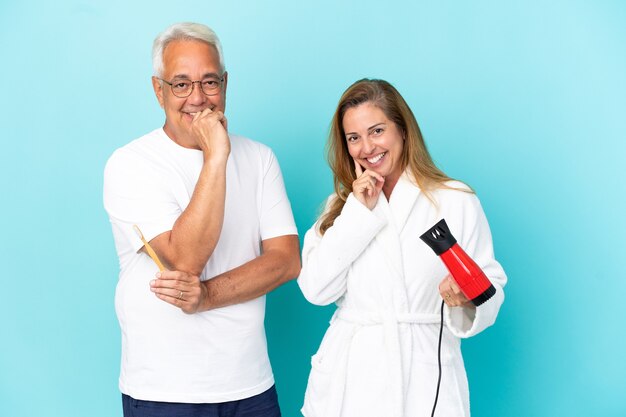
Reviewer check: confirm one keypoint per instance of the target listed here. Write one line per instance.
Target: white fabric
(379, 355)
(167, 355)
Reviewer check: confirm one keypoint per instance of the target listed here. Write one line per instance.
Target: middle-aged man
(213, 207)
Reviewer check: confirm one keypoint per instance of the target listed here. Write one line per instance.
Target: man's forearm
(279, 263)
(190, 243)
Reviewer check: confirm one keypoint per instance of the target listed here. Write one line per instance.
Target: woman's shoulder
(456, 185)
(326, 204)
(455, 192)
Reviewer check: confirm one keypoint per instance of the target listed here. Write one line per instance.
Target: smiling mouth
(376, 158)
(193, 114)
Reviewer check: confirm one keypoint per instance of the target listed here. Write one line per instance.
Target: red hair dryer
(472, 281)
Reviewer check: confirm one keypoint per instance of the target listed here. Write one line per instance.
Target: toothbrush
(149, 249)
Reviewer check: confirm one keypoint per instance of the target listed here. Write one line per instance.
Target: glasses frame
(217, 90)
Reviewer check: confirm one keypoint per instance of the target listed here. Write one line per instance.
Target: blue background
(524, 100)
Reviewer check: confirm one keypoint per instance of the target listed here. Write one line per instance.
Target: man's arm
(190, 243)
(278, 263)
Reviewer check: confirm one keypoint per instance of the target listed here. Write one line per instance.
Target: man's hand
(180, 289)
(209, 129)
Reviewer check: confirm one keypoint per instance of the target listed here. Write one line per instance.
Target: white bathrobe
(379, 355)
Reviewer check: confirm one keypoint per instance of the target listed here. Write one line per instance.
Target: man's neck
(181, 140)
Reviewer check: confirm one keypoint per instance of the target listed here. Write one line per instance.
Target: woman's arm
(326, 259)
(475, 239)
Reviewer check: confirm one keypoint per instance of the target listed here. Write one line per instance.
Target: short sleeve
(276, 217)
(135, 193)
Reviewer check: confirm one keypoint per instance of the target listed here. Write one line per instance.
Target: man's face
(190, 60)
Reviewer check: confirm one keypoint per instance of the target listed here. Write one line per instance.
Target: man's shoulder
(147, 141)
(246, 146)
(136, 151)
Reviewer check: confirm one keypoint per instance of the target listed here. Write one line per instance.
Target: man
(214, 208)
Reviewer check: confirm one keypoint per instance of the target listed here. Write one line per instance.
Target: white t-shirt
(167, 355)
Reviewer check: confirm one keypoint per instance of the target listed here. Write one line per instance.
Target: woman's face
(374, 141)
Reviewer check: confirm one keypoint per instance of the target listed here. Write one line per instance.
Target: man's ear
(225, 83)
(157, 85)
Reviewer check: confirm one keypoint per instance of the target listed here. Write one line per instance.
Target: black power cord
(439, 361)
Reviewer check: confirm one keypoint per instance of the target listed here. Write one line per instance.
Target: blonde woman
(379, 356)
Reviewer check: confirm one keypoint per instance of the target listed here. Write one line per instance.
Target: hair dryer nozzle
(439, 237)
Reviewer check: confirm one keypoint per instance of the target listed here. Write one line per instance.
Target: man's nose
(197, 97)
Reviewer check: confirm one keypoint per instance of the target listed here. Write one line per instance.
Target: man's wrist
(215, 159)
(205, 300)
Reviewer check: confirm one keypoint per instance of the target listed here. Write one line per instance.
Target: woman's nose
(368, 145)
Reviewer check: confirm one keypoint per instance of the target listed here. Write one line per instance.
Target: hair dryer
(472, 281)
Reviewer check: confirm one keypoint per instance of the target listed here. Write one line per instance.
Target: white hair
(183, 31)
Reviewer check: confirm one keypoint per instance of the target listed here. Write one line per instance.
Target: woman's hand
(367, 186)
(451, 293)
(180, 289)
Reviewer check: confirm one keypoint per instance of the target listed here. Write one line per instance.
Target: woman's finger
(358, 169)
(453, 286)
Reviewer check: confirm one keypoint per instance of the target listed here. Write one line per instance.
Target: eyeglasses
(183, 88)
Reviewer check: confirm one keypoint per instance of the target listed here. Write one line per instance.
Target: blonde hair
(415, 157)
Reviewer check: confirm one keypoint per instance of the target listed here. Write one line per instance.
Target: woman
(379, 356)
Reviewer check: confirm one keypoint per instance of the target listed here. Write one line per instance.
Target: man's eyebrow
(186, 77)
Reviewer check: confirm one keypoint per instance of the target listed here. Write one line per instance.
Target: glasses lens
(211, 86)
(181, 88)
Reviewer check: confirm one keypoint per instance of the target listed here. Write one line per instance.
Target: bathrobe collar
(403, 198)
(396, 211)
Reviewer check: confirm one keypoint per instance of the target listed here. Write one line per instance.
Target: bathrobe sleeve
(327, 259)
(475, 239)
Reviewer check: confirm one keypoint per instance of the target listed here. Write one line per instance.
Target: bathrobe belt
(399, 354)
